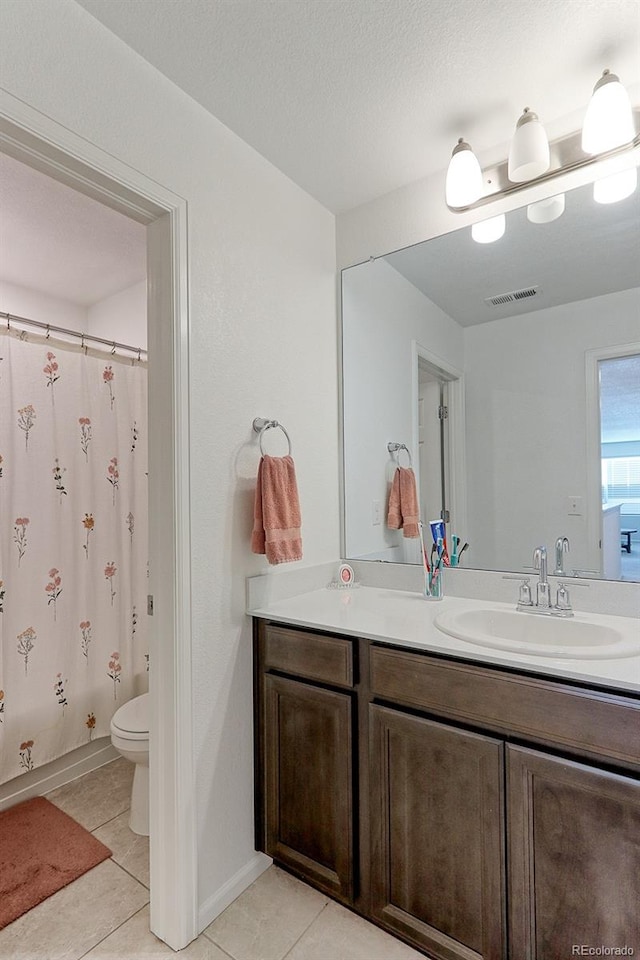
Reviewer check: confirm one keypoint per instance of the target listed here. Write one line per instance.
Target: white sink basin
(542, 636)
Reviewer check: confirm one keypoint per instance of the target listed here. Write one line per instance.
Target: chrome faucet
(562, 606)
(562, 547)
(542, 586)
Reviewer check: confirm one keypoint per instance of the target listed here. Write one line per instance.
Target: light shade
(545, 211)
(615, 187)
(464, 177)
(608, 122)
(488, 231)
(529, 151)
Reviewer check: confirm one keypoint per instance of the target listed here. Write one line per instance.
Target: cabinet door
(574, 849)
(308, 773)
(437, 831)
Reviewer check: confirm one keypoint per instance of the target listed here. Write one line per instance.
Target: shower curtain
(73, 545)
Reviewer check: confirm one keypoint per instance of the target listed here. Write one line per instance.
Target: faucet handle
(563, 601)
(524, 593)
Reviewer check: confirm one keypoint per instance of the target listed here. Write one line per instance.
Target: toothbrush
(462, 551)
(425, 561)
(454, 553)
(438, 565)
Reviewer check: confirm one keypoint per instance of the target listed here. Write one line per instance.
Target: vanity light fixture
(608, 122)
(529, 153)
(488, 231)
(608, 130)
(615, 187)
(546, 211)
(464, 176)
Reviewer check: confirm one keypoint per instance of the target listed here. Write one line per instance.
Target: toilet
(130, 737)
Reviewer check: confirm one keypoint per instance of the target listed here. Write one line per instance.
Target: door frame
(40, 142)
(594, 469)
(456, 417)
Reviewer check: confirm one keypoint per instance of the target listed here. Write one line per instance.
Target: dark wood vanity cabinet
(305, 757)
(437, 834)
(474, 812)
(574, 857)
(308, 782)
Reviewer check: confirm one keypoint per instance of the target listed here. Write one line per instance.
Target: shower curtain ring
(113, 349)
(48, 332)
(139, 352)
(8, 321)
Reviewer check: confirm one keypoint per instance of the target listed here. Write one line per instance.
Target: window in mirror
(619, 382)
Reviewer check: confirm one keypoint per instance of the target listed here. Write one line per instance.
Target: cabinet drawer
(592, 723)
(314, 656)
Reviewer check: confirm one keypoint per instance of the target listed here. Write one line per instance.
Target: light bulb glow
(529, 152)
(488, 231)
(608, 122)
(615, 187)
(546, 211)
(464, 178)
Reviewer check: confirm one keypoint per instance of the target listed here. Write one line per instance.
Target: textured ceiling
(61, 243)
(354, 98)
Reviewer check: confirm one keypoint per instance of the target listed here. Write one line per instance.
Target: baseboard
(55, 774)
(232, 889)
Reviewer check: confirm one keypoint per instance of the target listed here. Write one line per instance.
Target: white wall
(526, 425)
(263, 343)
(121, 317)
(382, 314)
(24, 302)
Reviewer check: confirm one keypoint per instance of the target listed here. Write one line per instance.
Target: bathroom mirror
(511, 372)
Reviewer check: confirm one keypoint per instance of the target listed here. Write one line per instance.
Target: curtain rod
(50, 328)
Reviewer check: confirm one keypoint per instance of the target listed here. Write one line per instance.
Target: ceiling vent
(511, 297)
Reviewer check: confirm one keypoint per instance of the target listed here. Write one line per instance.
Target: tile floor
(104, 915)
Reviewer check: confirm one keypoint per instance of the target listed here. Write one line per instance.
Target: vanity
(475, 802)
(462, 773)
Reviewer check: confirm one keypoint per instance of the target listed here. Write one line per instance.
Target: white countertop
(406, 619)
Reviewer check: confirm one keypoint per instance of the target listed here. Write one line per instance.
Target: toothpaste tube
(439, 532)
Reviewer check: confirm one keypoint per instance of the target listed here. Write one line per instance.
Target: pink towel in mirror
(404, 512)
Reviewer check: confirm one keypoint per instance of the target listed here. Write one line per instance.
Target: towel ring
(260, 425)
(396, 448)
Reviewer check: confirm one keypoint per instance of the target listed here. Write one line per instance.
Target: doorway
(613, 460)
(43, 144)
(438, 435)
(433, 443)
(619, 379)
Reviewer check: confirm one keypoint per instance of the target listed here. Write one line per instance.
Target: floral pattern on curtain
(73, 545)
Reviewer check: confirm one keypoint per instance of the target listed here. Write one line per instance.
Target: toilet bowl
(130, 737)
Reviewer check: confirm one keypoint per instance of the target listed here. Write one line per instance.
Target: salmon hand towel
(276, 515)
(394, 513)
(403, 510)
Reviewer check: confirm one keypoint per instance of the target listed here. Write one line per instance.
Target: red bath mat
(41, 850)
